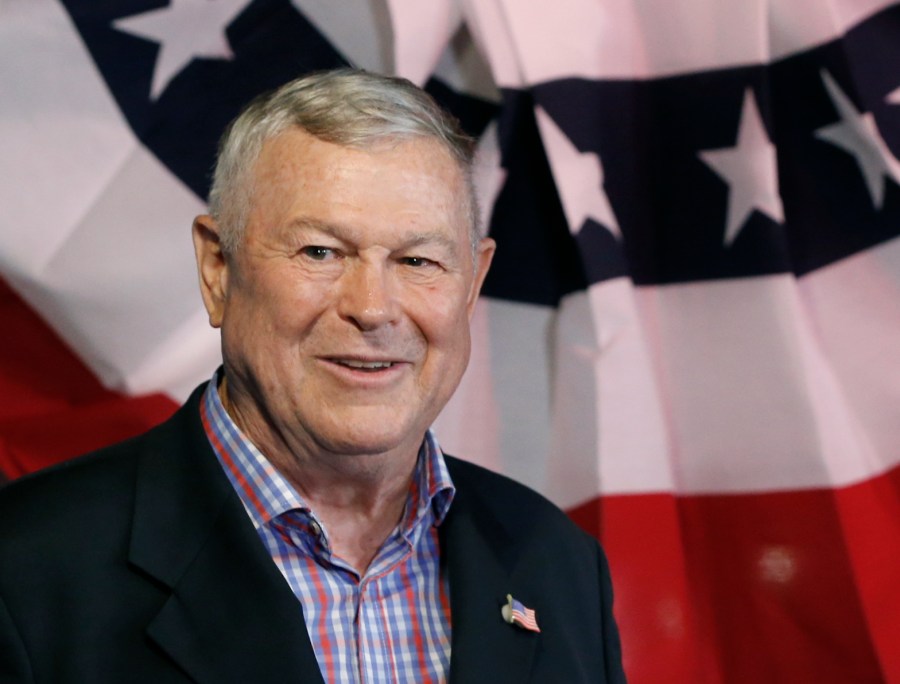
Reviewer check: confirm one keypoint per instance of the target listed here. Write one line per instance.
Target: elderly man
(296, 520)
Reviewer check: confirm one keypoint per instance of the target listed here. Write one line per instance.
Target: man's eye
(318, 253)
(416, 262)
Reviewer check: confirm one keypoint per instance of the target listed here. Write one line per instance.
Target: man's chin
(370, 445)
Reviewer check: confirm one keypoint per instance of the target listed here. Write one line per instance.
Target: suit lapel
(230, 615)
(480, 560)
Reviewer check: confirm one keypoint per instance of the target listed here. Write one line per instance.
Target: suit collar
(481, 561)
(230, 615)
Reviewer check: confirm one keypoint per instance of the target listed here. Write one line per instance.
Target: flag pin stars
(515, 613)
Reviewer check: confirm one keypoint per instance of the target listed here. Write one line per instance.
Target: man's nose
(367, 296)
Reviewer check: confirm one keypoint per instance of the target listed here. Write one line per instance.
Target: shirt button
(315, 528)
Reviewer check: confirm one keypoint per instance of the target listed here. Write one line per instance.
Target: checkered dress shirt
(390, 625)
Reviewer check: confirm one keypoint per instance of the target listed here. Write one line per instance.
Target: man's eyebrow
(345, 234)
(440, 239)
(298, 228)
(309, 223)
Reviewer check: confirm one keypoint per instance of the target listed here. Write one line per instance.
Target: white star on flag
(579, 178)
(185, 30)
(751, 170)
(857, 134)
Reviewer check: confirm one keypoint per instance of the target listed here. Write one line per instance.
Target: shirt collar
(267, 494)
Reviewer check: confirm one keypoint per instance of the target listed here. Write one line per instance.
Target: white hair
(347, 107)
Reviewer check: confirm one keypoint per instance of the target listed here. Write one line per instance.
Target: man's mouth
(369, 366)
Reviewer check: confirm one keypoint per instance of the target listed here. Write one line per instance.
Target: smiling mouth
(367, 366)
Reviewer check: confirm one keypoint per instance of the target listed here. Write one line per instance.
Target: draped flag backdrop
(690, 338)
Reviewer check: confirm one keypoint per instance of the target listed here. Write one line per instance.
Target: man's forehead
(295, 141)
(296, 156)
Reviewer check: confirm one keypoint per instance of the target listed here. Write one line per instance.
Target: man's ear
(212, 267)
(484, 254)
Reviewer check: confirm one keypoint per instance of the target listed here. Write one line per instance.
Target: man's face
(345, 310)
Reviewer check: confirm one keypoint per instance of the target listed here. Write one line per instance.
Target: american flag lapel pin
(515, 613)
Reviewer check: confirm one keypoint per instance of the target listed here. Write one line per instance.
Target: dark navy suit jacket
(138, 564)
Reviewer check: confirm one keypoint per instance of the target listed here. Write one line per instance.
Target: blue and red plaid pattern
(390, 625)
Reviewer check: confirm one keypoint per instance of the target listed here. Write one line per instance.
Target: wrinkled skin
(345, 310)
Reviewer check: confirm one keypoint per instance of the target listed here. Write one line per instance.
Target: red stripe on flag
(51, 406)
(526, 619)
(773, 587)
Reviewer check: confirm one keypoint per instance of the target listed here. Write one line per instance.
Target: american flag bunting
(688, 339)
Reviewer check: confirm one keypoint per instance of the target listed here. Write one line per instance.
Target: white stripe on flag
(96, 230)
(627, 39)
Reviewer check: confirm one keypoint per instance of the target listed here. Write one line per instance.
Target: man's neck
(359, 498)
